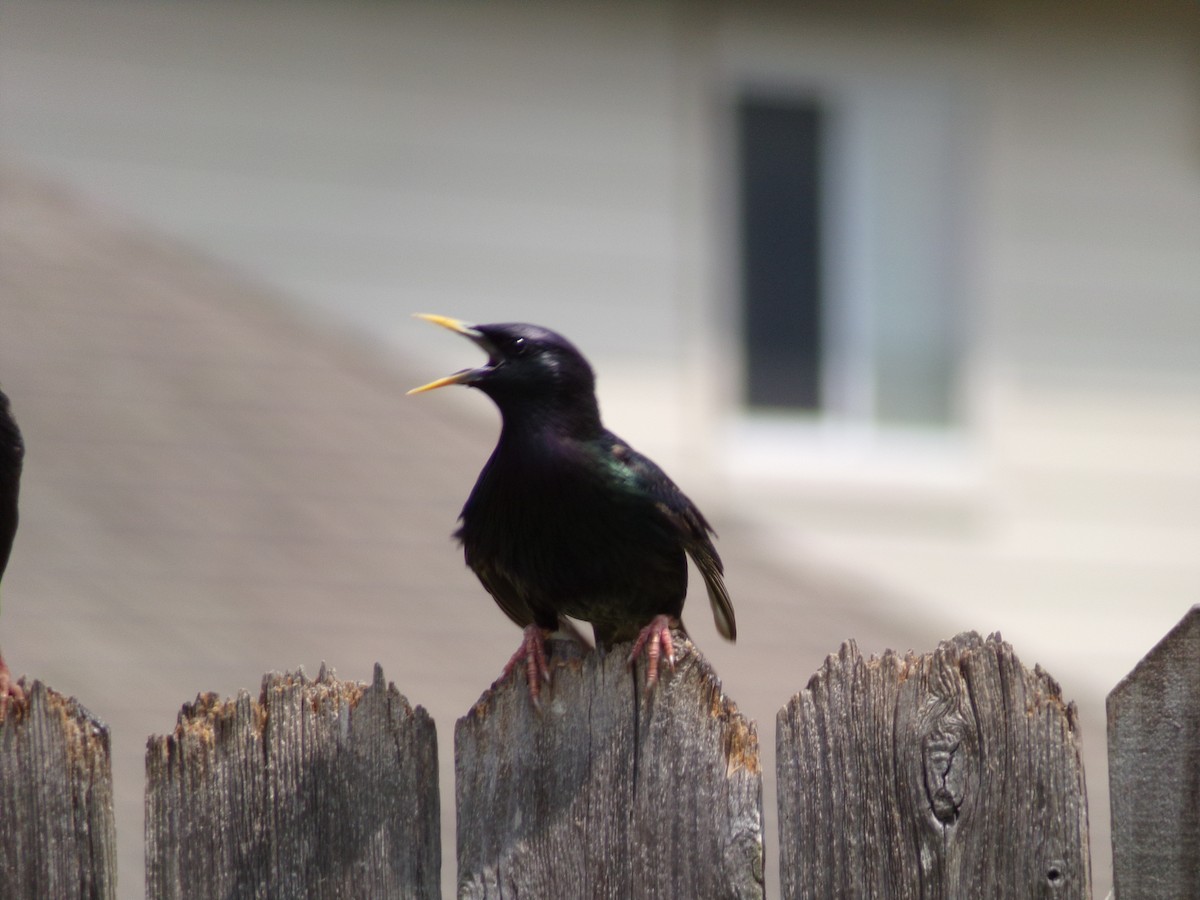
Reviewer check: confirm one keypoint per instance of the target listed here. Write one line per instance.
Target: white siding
(490, 161)
(1079, 487)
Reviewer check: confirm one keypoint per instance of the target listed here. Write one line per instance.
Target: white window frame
(846, 445)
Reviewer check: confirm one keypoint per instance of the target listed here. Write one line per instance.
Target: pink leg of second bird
(9, 689)
(656, 639)
(532, 655)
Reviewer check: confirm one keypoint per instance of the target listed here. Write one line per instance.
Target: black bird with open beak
(566, 519)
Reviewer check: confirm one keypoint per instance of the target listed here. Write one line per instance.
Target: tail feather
(718, 596)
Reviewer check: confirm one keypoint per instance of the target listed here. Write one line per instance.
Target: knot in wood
(944, 779)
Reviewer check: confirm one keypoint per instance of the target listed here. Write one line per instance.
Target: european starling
(12, 455)
(566, 519)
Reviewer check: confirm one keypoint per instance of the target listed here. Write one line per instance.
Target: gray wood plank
(954, 775)
(321, 789)
(607, 793)
(57, 837)
(1154, 769)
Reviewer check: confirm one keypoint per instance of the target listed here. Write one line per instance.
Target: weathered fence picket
(956, 774)
(1154, 769)
(608, 792)
(57, 832)
(321, 789)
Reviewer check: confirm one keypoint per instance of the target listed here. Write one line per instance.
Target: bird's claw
(532, 655)
(10, 690)
(656, 639)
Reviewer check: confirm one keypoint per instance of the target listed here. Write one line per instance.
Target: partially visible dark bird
(12, 456)
(566, 518)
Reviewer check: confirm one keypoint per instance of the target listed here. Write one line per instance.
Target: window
(781, 252)
(849, 249)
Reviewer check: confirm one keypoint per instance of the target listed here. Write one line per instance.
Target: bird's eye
(518, 347)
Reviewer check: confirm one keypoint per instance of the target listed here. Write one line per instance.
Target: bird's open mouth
(466, 376)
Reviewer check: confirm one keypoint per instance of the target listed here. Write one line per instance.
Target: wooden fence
(955, 774)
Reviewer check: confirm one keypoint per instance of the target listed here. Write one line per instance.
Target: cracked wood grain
(952, 775)
(1154, 769)
(321, 789)
(608, 793)
(57, 832)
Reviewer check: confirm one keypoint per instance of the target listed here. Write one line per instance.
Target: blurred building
(919, 282)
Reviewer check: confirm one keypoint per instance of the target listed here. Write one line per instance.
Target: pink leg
(532, 653)
(656, 638)
(9, 689)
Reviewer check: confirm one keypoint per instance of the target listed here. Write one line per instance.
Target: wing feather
(689, 523)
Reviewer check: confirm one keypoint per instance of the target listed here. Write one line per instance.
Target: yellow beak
(457, 327)
(446, 322)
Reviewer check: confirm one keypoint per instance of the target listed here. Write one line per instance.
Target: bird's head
(530, 371)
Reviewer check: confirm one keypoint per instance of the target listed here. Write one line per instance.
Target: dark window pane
(781, 248)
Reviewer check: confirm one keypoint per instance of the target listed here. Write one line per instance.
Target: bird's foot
(656, 639)
(10, 690)
(532, 656)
